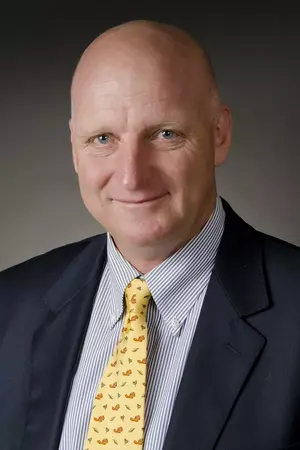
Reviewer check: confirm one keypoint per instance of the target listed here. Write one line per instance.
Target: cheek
(180, 171)
(189, 175)
(92, 173)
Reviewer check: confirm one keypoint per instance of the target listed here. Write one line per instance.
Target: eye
(168, 134)
(101, 139)
(101, 144)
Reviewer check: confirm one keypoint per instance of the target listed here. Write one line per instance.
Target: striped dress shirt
(178, 286)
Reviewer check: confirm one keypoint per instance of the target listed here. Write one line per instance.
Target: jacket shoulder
(45, 268)
(280, 253)
(281, 265)
(23, 286)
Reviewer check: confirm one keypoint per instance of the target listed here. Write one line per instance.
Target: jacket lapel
(225, 347)
(57, 346)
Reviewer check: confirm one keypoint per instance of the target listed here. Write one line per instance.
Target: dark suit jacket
(241, 384)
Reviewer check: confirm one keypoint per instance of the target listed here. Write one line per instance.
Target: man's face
(144, 150)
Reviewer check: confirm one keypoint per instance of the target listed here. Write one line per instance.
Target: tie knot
(137, 295)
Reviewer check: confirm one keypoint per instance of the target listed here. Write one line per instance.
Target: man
(221, 336)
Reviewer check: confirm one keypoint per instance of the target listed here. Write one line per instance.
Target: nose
(133, 165)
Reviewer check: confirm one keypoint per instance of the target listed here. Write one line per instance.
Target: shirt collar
(182, 276)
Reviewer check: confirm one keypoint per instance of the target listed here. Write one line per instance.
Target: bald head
(167, 48)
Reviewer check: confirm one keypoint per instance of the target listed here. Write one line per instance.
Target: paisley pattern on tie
(117, 418)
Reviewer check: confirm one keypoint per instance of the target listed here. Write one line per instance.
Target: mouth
(139, 202)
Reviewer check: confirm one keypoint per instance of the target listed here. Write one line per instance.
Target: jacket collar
(239, 265)
(86, 268)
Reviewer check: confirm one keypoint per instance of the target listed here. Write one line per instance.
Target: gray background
(257, 61)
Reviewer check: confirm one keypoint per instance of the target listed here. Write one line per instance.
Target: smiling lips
(141, 201)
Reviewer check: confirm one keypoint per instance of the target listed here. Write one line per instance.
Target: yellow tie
(117, 419)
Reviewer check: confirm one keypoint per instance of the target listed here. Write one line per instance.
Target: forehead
(136, 90)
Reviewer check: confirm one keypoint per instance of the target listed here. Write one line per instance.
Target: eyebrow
(87, 133)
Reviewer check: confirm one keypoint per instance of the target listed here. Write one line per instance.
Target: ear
(74, 154)
(222, 132)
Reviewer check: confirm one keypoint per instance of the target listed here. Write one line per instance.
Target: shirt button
(175, 324)
(113, 317)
